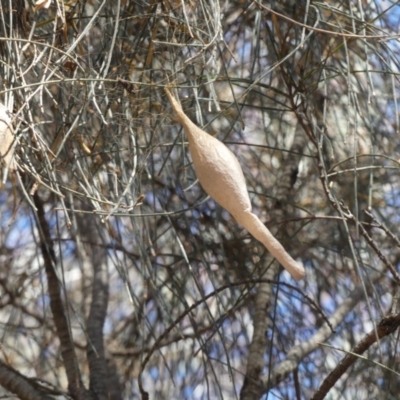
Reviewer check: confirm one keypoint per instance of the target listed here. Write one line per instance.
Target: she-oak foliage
(120, 278)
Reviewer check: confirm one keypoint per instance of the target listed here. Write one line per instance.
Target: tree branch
(97, 315)
(297, 353)
(75, 385)
(18, 384)
(252, 388)
(386, 326)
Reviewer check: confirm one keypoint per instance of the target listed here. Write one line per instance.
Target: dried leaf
(41, 4)
(6, 143)
(6, 139)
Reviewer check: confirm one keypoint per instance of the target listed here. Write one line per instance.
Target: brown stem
(61, 322)
(18, 384)
(386, 326)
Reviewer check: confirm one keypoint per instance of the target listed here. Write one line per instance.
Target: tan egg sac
(6, 137)
(221, 176)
